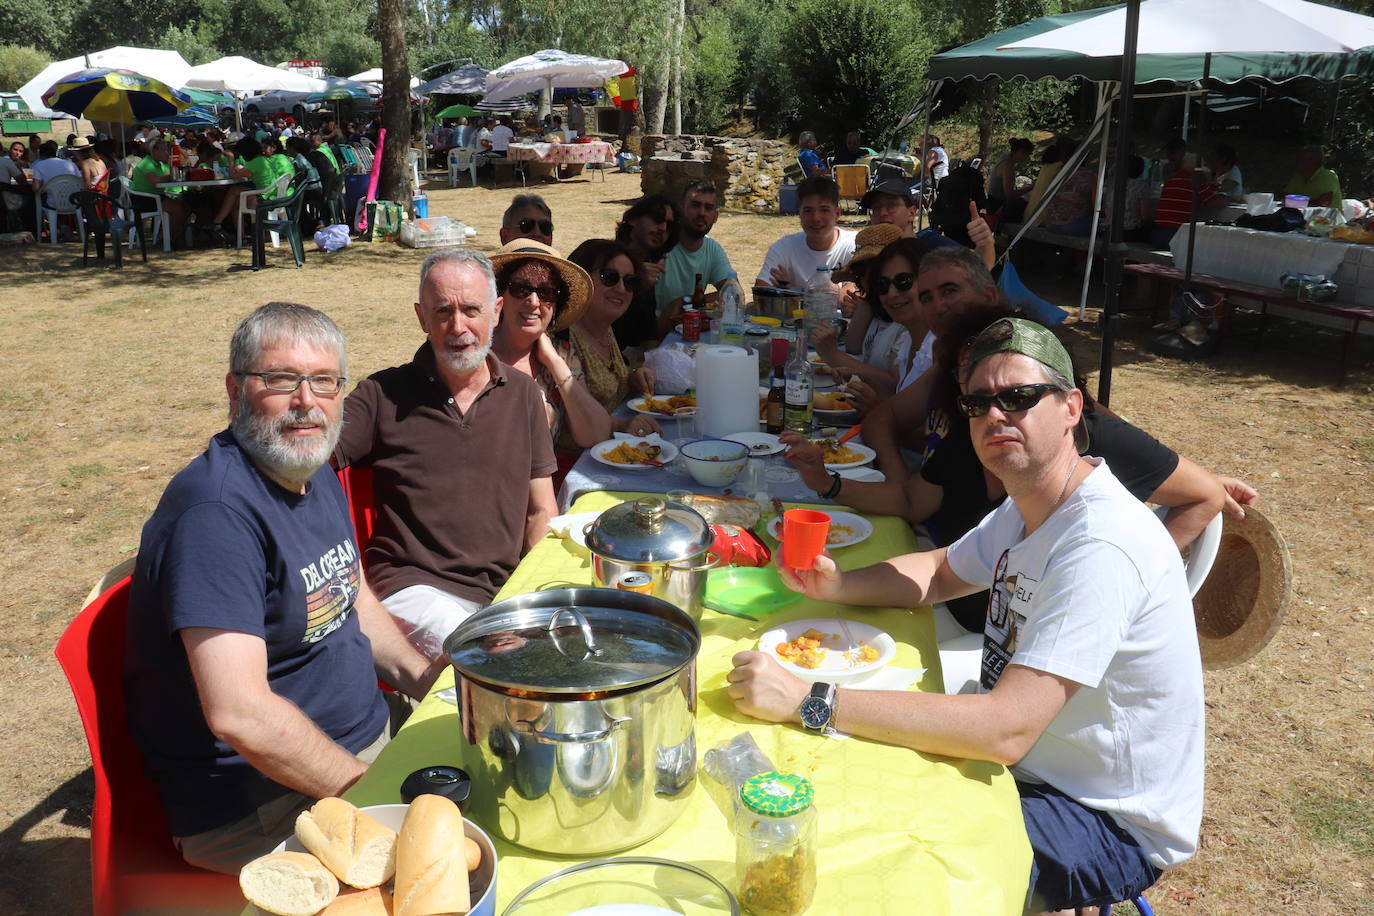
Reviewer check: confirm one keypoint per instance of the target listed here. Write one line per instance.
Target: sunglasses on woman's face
(545, 225)
(609, 276)
(547, 294)
(902, 282)
(1009, 400)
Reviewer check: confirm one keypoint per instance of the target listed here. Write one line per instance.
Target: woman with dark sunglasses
(542, 293)
(590, 345)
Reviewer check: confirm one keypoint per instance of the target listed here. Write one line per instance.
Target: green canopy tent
(1189, 59)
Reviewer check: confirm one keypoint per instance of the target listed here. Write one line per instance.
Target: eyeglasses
(323, 385)
(609, 276)
(902, 282)
(1010, 400)
(546, 294)
(545, 225)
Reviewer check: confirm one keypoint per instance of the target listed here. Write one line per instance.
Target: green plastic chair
(287, 223)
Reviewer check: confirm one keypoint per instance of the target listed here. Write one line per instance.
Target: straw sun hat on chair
(1241, 605)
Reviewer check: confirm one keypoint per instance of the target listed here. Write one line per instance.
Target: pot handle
(535, 730)
(589, 646)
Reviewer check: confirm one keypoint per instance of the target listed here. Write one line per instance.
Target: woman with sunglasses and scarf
(590, 345)
(542, 293)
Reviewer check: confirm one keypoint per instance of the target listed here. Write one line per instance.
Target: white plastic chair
(460, 158)
(58, 191)
(160, 223)
(248, 206)
(364, 155)
(413, 160)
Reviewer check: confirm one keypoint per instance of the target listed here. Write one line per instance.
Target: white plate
(668, 454)
(872, 474)
(637, 405)
(860, 528)
(760, 444)
(843, 636)
(867, 453)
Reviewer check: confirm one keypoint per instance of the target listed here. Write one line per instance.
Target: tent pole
(1197, 173)
(925, 179)
(1115, 250)
(1103, 100)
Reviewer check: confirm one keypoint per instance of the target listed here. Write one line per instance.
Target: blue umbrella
(191, 117)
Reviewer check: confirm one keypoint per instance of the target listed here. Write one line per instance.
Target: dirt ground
(110, 382)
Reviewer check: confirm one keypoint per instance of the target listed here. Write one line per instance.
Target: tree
(19, 64)
(391, 35)
(42, 25)
(195, 44)
(103, 23)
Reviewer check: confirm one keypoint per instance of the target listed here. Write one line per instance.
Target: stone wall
(748, 172)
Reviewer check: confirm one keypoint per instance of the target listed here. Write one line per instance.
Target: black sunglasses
(545, 225)
(546, 294)
(1009, 400)
(609, 276)
(902, 282)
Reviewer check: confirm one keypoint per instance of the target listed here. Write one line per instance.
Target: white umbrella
(468, 79)
(167, 67)
(1213, 27)
(544, 70)
(239, 74)
(375, 76)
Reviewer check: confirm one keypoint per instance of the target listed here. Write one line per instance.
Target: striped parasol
(504, 106)
(124, 96)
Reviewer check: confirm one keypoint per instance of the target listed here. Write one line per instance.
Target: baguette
(288, 884)
(375, 901)
(358, 849)
(431, 866)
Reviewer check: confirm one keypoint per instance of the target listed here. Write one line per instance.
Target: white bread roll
(288, 884)
(431, 867)
(375, 901)
(473, 851)
(357, 848)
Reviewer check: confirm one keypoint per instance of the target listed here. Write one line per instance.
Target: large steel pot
(668, 541)
(577, 711)
(777, 301)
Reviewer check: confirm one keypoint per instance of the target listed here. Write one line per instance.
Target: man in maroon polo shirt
(461, 456)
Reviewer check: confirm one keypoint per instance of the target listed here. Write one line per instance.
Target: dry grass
(110, 382)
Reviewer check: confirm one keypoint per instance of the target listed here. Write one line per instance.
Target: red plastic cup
(804, 532)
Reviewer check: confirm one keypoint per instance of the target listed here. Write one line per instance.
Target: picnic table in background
(570, 155)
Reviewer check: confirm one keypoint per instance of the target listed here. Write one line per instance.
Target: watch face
(815, 712)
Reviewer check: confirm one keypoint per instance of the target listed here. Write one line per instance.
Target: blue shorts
(1082, 857)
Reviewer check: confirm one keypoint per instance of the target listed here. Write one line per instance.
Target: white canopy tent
(167, 67)
(375, 76)
(543, 70)
(241, 75)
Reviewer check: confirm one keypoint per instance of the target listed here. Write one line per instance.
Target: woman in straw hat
(542, 293)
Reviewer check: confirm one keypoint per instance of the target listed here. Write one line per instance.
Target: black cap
(897, 187)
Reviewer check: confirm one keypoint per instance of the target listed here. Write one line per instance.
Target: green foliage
(42, 25)
(194, 43)
(709, 68)
(856, 65)
(19, 64)
(454, 39)
(100, 24)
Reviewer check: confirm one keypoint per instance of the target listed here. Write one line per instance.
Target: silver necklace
(1065, 488)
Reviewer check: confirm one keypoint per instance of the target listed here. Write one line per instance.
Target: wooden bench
(1265, 296)
(1136, 252)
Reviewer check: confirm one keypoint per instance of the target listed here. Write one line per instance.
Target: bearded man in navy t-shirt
(254, 642)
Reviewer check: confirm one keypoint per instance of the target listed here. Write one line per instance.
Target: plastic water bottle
(820, 299)
(731, 314)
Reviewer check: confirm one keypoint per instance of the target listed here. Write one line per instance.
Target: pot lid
(625, 885)
(649, 530)
(574, 641)
(781, 291)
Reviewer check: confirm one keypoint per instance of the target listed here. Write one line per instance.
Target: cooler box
(355, 189)
(787, 199)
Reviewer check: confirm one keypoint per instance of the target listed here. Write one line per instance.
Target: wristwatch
(817, 711)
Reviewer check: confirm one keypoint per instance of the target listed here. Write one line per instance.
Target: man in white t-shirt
(501, 136)
(693, 256)
(1091, 678)
(792, 260)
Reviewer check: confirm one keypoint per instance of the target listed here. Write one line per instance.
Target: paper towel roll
(727, 390)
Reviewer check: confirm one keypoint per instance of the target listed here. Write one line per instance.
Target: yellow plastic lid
(768, 320)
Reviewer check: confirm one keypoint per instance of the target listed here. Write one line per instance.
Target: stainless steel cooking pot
(577, 710)
(776, 301)
(668, 541)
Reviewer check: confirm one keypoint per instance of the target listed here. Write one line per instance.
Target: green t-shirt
(267, 169)
(329, 154)
(147, 173)
(1322, 181)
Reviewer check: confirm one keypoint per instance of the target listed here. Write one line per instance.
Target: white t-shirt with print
(1097, 595)
(801, 261)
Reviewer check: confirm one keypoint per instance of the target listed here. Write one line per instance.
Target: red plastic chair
(362, 505)
(133, 862)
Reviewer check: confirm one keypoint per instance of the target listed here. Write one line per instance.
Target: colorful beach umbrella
(115, 95)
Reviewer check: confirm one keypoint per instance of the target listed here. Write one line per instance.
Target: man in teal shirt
(694, 255)
(1319, 185)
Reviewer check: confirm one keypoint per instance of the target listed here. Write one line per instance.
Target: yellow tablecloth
(900, 832)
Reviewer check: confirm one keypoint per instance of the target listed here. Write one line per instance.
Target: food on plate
(670, 405)
(726, 510)
(375, 901)
(830, 400)
(838, 534)
(431, 865)
(834, 453)
(632, 453)
(358, 849)
(288, 884)
(808, 650)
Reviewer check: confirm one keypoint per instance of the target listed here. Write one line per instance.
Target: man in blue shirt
(255, 644)
(811, 162)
